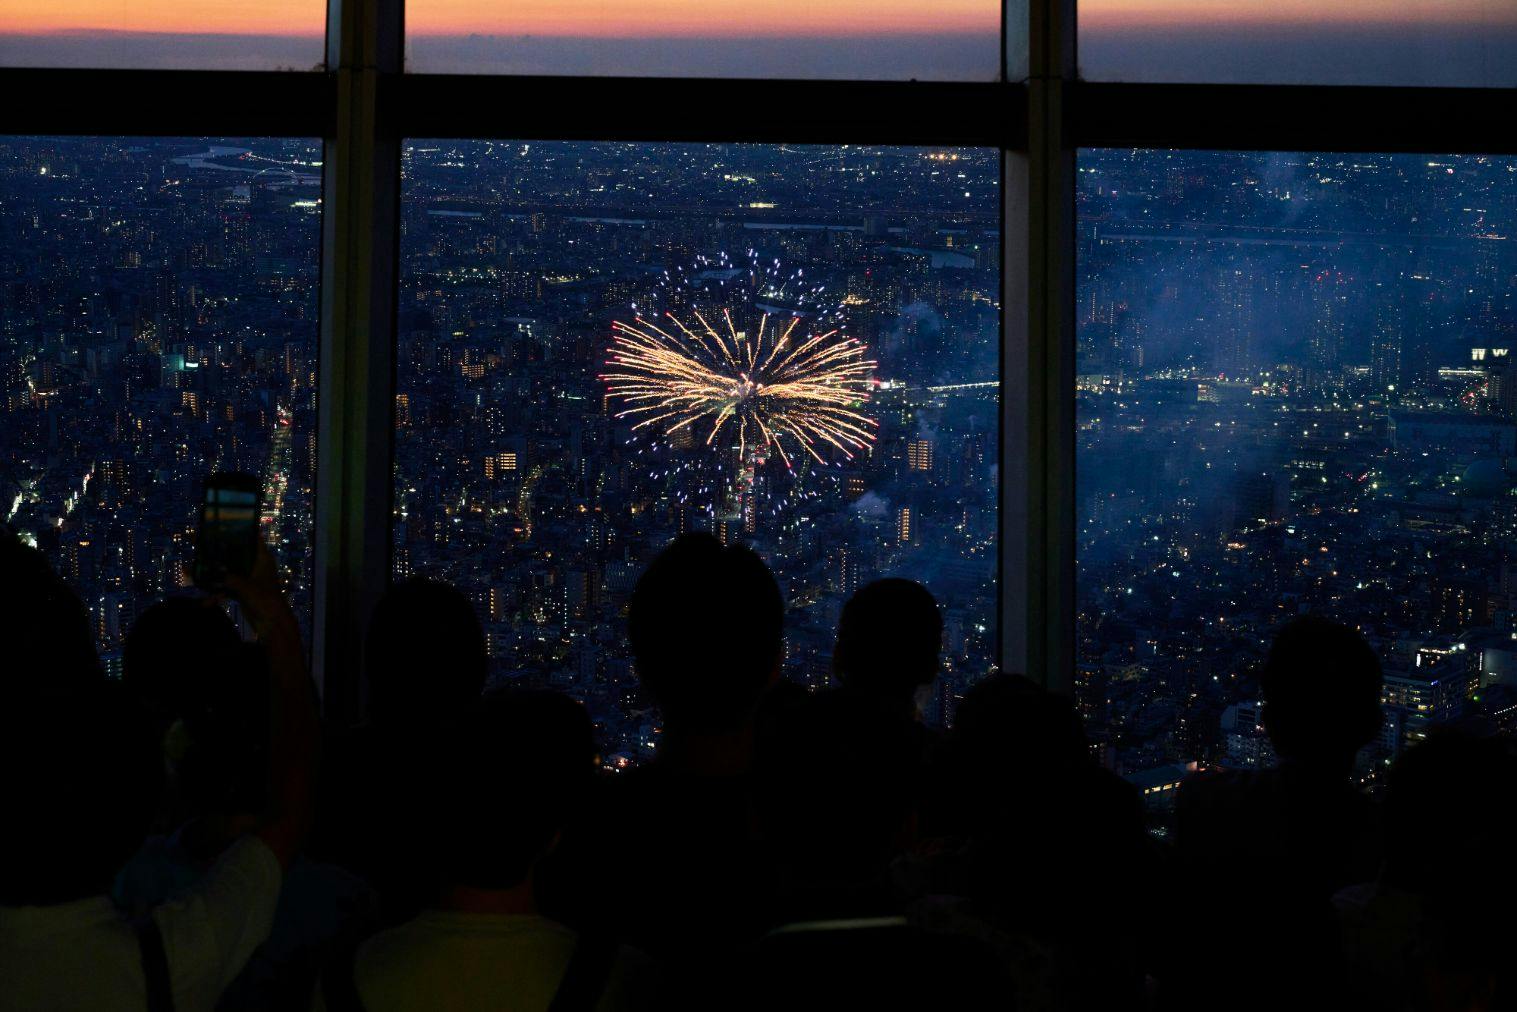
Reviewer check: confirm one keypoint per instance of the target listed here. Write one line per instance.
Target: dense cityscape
(158, 323)
(1294, 395)
(520, 479)
(158, 304)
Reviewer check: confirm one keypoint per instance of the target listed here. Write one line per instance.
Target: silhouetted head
(837, 782)
(888, 641)
(425, 654)
(508, 778)
(47, 640)
(174, 654)
(224, 767)
(79, 769)
(1009, 722)
(706, 627)
(1321, 685)
(81, 775)
(1013, 749)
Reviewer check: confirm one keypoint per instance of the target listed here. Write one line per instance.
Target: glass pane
(157, 323)
(521, 477)
(181, 34)
(1295, 395)
(1465, 43)
(860, 39)
(1017, 25)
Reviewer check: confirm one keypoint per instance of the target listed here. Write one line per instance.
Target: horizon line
(1102, 21)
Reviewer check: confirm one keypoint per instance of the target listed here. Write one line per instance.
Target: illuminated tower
(919, 455)
(1328, 326)
(1385, 346)
(1426, 317)
(847, 571)
(1235, 321)
(740, 504)
(903, 532)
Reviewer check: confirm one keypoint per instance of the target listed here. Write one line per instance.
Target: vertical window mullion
(359, 240)
(1038, 397)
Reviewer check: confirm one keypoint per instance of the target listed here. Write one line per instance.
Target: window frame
(364, 104)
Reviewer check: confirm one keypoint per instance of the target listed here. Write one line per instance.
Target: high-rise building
(903, 532)
(1247, 744)
(846, 571)
(919, 454)
(1328, 326)
(1235, 320)
(1429, 694)
(1386, 339)
(501, 465)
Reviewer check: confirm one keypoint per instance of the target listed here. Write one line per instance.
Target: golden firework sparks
(778, 383)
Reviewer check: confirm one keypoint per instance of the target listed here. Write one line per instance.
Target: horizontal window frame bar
(167, 103)
(1269, 117)
(699, 110)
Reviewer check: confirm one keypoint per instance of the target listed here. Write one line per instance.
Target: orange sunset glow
(731, 18)
(1449, 42)
(237, 17)
(701, 17)
(633, 18)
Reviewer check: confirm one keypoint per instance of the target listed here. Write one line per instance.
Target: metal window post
(1037, 468)
(360, 229)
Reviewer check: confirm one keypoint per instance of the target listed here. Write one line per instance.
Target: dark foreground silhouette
(178, 839)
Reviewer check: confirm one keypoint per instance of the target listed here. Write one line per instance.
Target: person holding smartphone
(74, 774)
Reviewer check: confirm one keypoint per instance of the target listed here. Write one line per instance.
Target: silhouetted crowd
(189, 836)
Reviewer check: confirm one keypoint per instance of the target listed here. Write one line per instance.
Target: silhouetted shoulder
(1209, 788)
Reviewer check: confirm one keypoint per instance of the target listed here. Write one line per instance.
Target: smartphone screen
(228, 538)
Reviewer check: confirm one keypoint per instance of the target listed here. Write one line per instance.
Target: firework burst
(744, 358)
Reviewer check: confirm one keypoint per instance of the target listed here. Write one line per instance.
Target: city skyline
(1294, 393)
(1294, 396)
(158, 322)
(158, 303)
